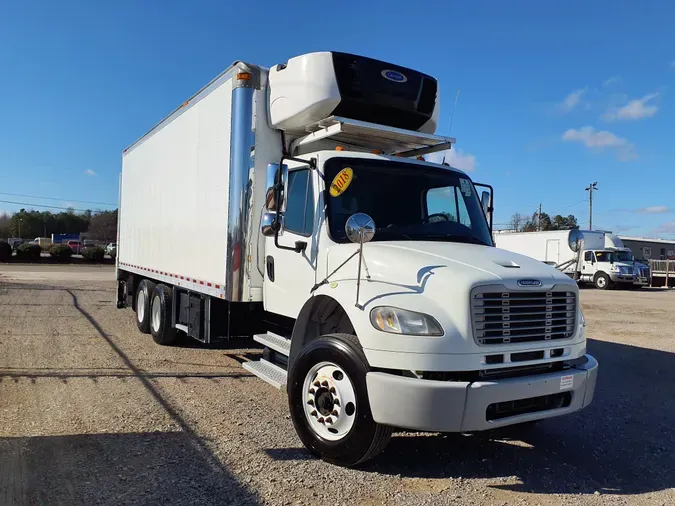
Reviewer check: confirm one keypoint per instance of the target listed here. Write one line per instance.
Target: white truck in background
(367, 273)
(582, 255)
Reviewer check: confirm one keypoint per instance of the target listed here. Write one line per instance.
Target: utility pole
(539, 218)
(590, 189)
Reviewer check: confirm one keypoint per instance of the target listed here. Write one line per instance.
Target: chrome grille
(521, 317)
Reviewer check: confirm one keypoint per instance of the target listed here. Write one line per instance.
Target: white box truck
(367, 273)
(582, 255)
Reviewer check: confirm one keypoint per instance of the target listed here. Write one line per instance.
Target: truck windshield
(624, 256)
(605, 256)
(406, 201)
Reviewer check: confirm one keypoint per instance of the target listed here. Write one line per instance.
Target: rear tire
(344, 432)
(601, 281)
(143, 298)
(160, 321)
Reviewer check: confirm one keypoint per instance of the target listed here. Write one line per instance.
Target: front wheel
(601, 281)
(328, 401)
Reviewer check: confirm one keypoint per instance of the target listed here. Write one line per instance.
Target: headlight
(614, 268)
(401, 321)
(582, 320)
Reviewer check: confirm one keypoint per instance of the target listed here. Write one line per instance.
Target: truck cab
(608, 267)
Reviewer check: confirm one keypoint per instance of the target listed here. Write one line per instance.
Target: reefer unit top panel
(315, 86)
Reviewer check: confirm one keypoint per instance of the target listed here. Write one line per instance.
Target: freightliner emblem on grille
(529, 282)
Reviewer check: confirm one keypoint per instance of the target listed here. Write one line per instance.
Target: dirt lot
(92, 412)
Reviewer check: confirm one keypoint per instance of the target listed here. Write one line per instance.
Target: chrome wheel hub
(330, 401)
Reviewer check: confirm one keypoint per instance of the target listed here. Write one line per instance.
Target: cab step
(275, 342)
(267, 371)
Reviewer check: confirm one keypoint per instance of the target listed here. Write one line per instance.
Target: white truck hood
(435, 278)
(468, 264)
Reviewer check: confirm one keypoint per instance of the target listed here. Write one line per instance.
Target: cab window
(299, 216)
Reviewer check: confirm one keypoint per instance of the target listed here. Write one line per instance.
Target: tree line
(29, 224)
(542, 221)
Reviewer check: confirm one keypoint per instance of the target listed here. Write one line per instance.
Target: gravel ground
(92, 412)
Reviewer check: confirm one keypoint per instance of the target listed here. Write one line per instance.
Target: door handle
(270, 267)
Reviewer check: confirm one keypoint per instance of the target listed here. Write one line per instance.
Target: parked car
(76, 246)
(16, 244)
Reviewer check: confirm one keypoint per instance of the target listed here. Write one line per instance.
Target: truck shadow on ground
(132, 468)
(624, 443)
(138, 468)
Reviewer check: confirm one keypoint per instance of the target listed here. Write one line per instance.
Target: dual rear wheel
(153, 312)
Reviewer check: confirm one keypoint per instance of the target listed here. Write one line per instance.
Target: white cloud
(572, 100)
(611, 80)
(90, 172)
(635, 109)
(601, 140)
(655, 210)
(666, 228)
(455, 158)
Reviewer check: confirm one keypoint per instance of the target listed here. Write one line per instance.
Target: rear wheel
(143, 297)
(160, 322)
(328, 401)
(601, 281)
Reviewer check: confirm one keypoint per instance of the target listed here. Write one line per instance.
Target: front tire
(601, 281)
(143, 299)
(160, 322)
(328, 402)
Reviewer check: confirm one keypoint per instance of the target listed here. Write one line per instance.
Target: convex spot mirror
(360, 228)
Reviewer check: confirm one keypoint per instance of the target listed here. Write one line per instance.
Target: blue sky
(553, 95)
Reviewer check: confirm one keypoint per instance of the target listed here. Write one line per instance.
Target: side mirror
(274, 197)
(360, 228)
(485, 202)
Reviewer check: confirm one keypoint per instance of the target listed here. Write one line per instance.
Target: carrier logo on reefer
(392, 75)
(529, 282)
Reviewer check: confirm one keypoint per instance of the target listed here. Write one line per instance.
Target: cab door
(589, 266)
(291, 274)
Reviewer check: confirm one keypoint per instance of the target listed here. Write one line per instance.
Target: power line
(45, 206)
(53, 198)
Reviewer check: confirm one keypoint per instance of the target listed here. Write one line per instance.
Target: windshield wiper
(456, 238)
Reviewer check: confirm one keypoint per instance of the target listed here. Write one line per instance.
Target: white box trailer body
(184, 192)
(246, 212)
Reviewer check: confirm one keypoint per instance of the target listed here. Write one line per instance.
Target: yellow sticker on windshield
(341, 182)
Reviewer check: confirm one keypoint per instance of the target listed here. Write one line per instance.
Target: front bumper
(621, 278)
(448, 406)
